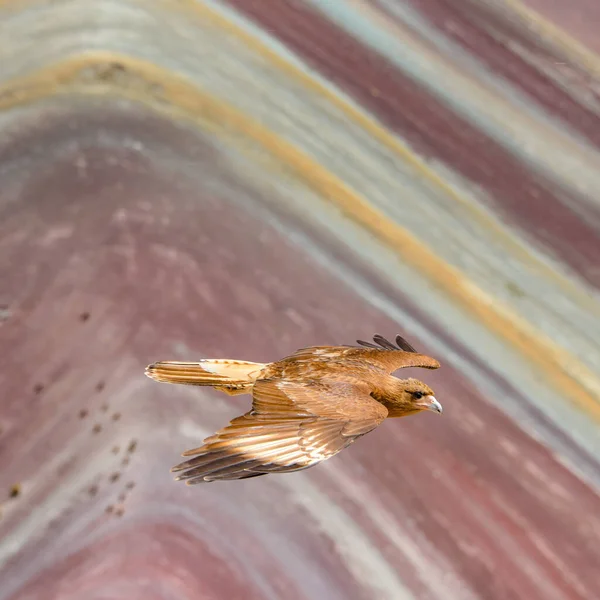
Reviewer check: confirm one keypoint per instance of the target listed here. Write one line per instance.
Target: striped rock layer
(241, 178)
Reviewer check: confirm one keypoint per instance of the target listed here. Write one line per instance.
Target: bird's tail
(231, 376)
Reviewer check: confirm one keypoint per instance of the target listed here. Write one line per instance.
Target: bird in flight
(306, 407)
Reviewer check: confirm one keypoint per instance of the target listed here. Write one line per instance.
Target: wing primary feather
(404, 345)
(378, 339)
(367, 344)
(224, 477)
(225, 462)
(238, 469)
(285, 469)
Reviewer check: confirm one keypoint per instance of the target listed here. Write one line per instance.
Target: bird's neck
(390, 392)
(386, 391)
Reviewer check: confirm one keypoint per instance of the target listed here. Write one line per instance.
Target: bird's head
(411, 397)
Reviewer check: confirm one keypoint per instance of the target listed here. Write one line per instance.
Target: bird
(306, 407)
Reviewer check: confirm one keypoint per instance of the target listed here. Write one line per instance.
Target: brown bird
(306, 407)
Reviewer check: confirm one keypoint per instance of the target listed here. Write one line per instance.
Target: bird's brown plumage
(306, 407)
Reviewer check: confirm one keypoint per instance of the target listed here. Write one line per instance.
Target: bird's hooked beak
(430, 403)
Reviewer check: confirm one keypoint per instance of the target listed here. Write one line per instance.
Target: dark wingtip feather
(379, 339)
(367, 344)
(404, 345)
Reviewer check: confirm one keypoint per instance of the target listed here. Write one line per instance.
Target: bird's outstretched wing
(292, 426)
(383, 354)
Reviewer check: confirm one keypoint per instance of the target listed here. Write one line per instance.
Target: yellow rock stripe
(205, 14)
(553, 35)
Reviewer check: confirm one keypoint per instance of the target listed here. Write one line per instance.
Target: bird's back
(341, 363)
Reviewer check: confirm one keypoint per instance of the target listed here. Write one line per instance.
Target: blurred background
(241, 178)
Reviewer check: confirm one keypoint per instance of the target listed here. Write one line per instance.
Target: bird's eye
(417, 395)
